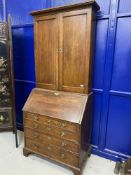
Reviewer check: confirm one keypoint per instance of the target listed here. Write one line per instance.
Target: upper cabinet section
(64, 38)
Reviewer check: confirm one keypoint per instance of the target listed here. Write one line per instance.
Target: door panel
(46, 29)
(73, 55)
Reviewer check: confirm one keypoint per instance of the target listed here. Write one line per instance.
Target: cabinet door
(46, 51)
(74, 52)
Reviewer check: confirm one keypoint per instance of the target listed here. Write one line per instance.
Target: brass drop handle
(48, 121)
(62, 134)
(35, 135)
(63, 144)
(62, 156)
(63, 125)
(49, 148)
(36, 118)
(49, 138)
(49, 129)
(35, 126)
(35, 146)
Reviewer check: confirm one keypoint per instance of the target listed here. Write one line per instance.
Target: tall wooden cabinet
(58, 124)
(63, 47)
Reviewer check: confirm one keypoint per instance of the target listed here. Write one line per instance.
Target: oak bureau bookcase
(58, 112)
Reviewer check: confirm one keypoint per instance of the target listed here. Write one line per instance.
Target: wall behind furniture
(111, 136)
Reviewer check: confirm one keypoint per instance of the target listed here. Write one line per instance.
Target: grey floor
(12, 161)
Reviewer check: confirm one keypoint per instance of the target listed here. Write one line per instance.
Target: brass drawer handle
(36, 118)
(35, 136)
(48, 121)
(35, 126)
(62, 134)
(63, 144)
(35, 146)
(49, 148)
(49, 129)
(63, 125)
(62, 156)
(49, 138)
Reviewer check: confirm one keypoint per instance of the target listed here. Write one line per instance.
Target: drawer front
(52, 122)
(53, 152)
(57, 132)
(36, 136)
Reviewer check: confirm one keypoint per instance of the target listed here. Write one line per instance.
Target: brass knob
(62, 156)
(63, 144)
(35, 126)
(82, 86)
(62, 134)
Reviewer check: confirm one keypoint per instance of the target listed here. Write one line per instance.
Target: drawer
(52, 122)
(42, 138)
(57, 132)
(53, 152)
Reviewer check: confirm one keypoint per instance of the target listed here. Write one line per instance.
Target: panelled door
(46, 53)
(74, 53)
